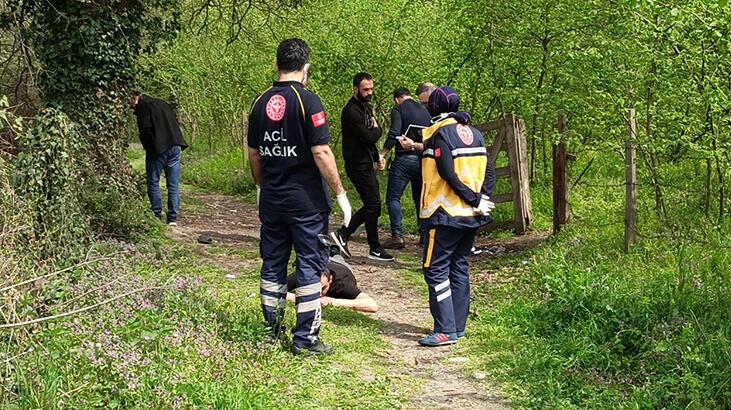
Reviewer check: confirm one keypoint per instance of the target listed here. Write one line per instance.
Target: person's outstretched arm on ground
(362, 303)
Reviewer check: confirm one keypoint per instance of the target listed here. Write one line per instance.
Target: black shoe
(475, 251)
(380, 254)
(317, 348)
(396, 242)
(341, 242)
(205, 239)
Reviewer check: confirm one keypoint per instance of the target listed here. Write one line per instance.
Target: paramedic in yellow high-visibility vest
(458, 179)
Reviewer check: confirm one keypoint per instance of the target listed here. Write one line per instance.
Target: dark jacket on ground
(158, 125)
(407, 113)
(359, 138)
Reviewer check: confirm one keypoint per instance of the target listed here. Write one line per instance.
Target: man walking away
(162, 138)
(290, 161)
(405, 168)
(360, 134)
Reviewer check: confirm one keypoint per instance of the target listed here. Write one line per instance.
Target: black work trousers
(366, 184)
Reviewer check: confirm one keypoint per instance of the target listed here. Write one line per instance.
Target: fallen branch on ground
(76, 311)
(25, 282)
(66, 302)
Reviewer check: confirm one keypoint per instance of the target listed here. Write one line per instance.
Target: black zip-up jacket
(359, 138)
(407, 113)
(158, 125)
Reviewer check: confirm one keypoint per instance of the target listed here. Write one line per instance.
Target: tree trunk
(630, 208)
(709, 173)
(653, 161)
(544, 60)
(719, 171)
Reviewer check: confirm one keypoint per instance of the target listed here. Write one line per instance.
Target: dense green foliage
(47, 177)
(196, 341)
(591, 60)
(576, 323)
(590, 326)
(87, 56)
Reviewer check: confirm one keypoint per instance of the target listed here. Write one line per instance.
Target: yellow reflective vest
(470, 161)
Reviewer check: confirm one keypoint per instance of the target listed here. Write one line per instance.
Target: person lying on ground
(339, 288)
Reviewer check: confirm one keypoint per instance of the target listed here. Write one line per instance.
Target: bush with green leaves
(88, 53)
(46, 175)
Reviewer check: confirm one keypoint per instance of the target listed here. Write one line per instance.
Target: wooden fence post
(518, 159)
(630, 209)
(560, 178)
(511, 139)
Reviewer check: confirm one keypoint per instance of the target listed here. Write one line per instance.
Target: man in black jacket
(360, 134)
(408, 118)
(162, 138)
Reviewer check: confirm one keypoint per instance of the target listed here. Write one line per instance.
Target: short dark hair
(401, 92)
(292, 55)
(424, 87)
(360, 77)
(135, 93)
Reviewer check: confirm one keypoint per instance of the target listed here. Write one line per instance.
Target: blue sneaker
(460, 335)
(439, 339)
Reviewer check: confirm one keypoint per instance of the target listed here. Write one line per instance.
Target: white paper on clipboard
(412, 126)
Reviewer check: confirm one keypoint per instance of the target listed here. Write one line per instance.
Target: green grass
(136, 157)
(223, 171)
(576, 323)
(204, 347)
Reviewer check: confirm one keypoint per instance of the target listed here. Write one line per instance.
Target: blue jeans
(404, 169)
(168, 161)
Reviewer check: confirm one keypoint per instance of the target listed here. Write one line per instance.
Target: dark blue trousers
(446, 271)
(308, 235)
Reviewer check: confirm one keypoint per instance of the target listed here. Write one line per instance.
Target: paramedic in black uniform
(291, 162)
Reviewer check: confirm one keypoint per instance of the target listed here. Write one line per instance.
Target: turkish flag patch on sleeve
(437, 153)
(318, 120)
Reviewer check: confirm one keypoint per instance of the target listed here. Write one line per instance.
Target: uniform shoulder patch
(465, 134)
(275, 107)
(318, 119)
(437, 153)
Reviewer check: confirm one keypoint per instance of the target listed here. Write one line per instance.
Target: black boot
(317, 348)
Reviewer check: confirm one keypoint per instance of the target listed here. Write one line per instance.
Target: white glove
(345, 207)
(258, 194)
(485, 206)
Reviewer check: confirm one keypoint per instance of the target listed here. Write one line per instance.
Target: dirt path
(404, 311)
